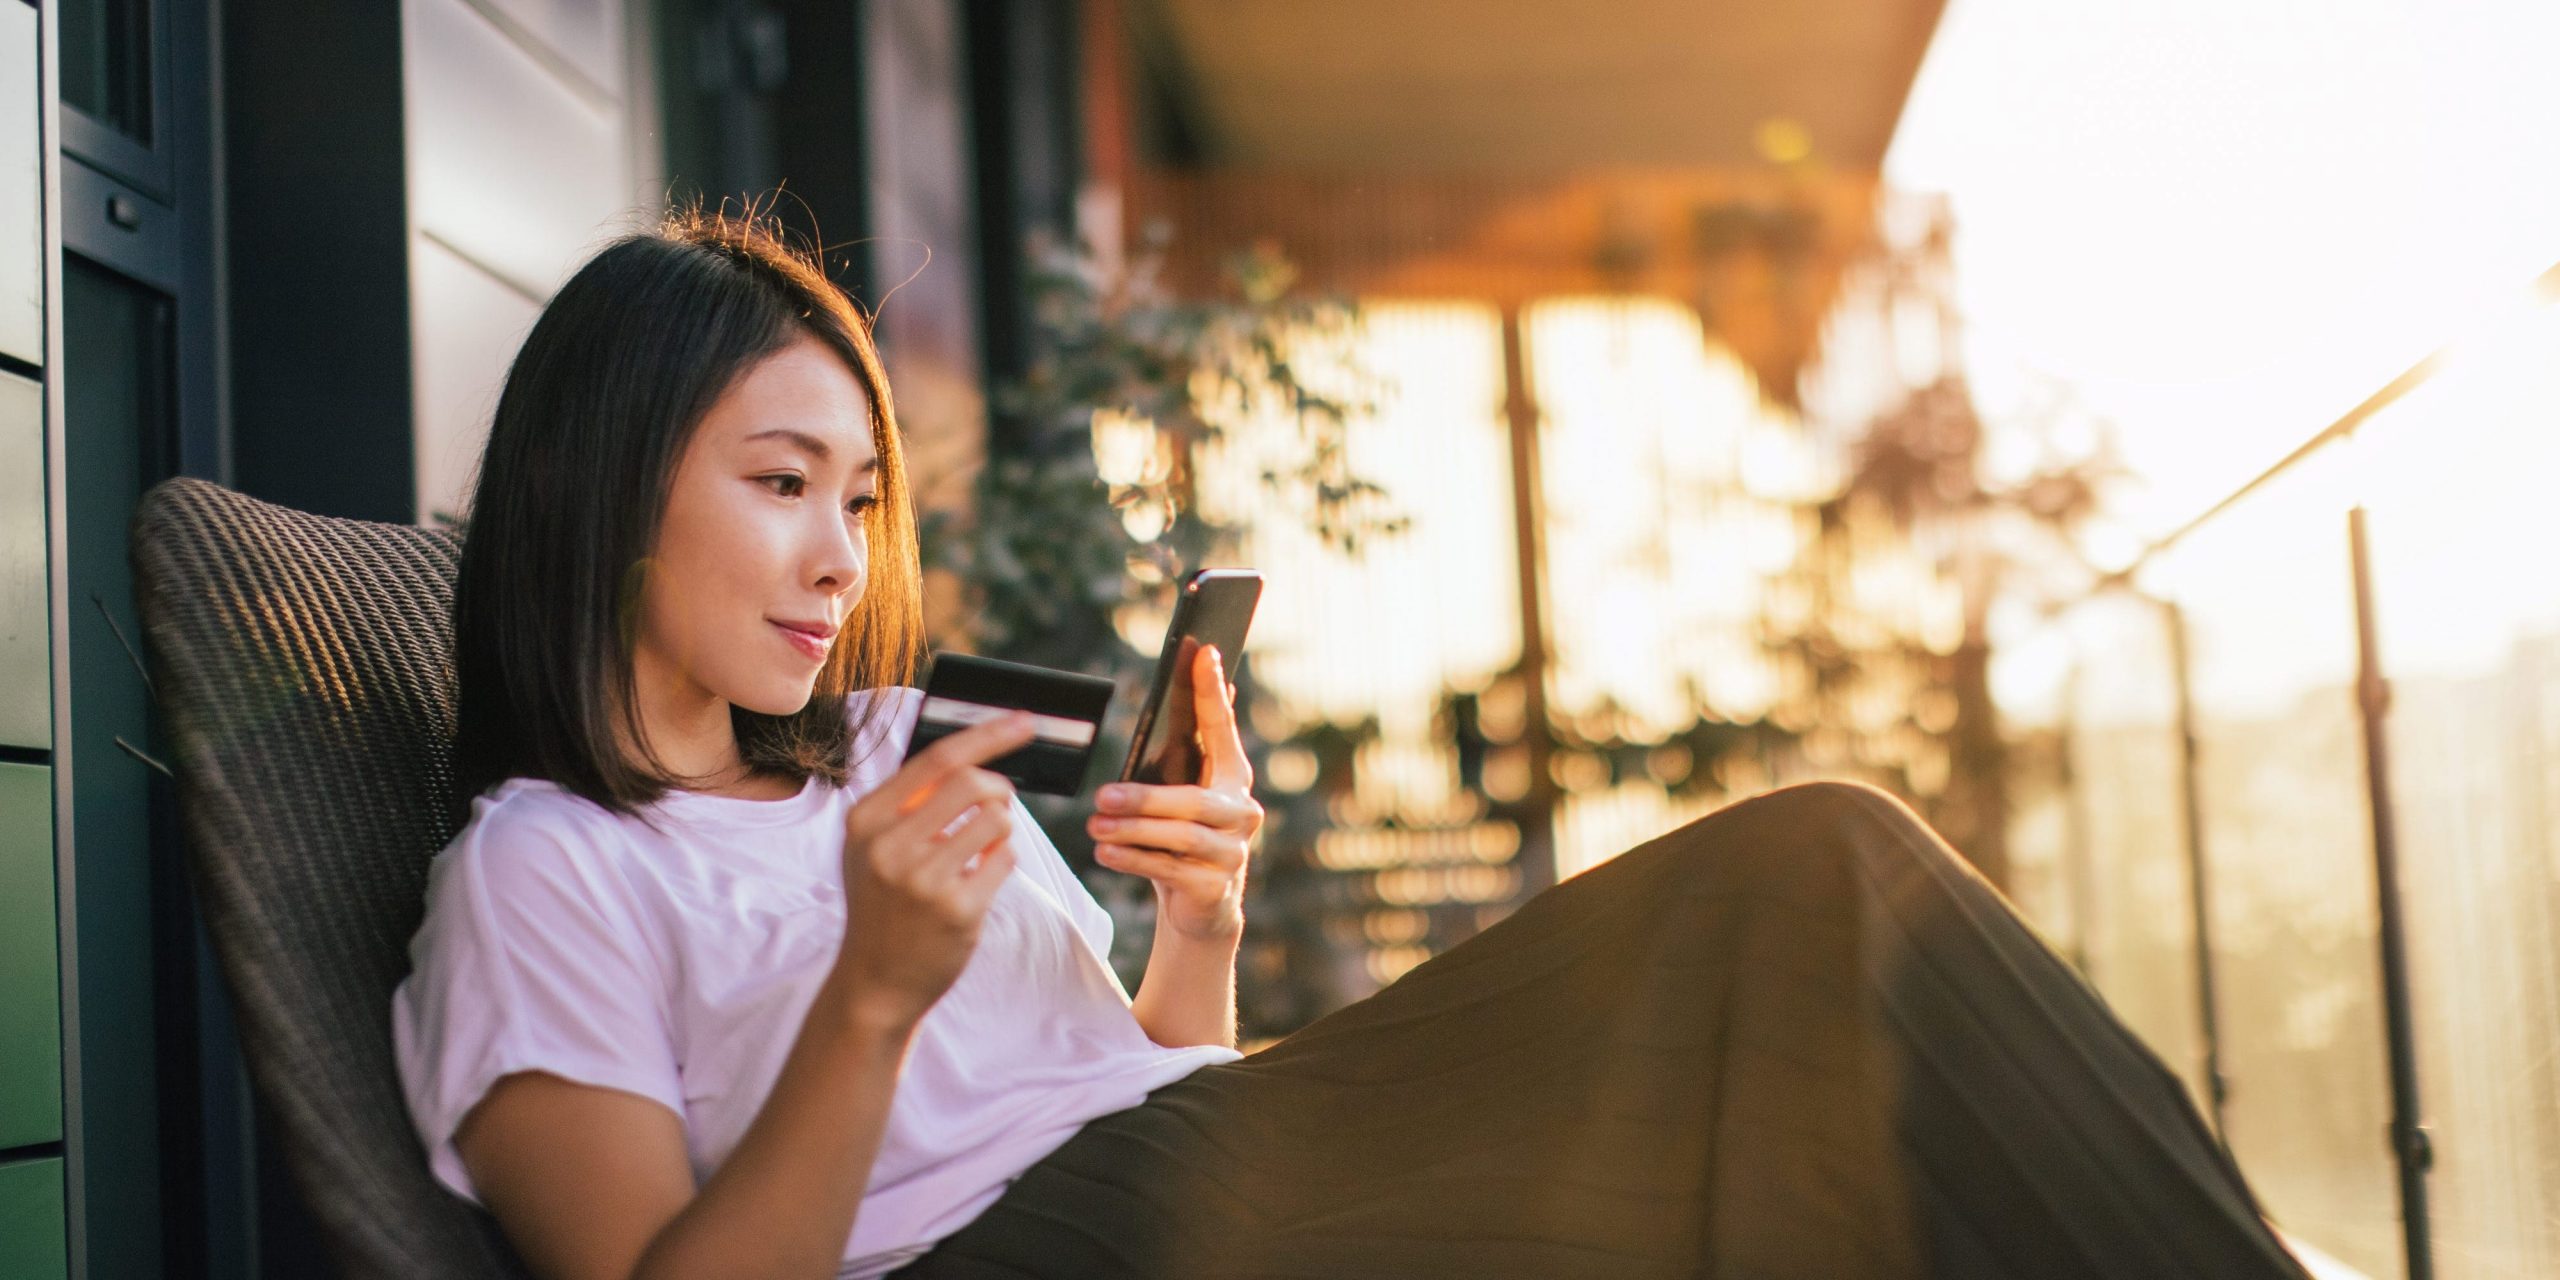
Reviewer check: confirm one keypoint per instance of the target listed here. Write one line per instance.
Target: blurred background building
(1973, 403)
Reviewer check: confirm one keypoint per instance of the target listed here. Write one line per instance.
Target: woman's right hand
(912, 904)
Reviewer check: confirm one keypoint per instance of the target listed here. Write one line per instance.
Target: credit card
(1067, 708)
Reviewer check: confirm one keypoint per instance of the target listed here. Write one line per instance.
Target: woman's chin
(777, 700)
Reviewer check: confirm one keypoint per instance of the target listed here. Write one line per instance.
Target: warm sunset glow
(2219, 226)
(1386, 634)
(1339, 638)
(1674, 500)
(2222, 224)
(1670, 495)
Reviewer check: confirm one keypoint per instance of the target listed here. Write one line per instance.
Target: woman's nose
(842, 556)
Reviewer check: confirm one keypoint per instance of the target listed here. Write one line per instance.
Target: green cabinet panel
(30, 985)
(21, 189)
(33, 1245)
(117, 392)
(26, 645)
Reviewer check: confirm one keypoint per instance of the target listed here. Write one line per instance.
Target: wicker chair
(304, 668)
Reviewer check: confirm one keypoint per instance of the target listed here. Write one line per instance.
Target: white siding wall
(531, 142)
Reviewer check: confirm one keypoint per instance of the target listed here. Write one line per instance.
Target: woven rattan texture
(303, 666)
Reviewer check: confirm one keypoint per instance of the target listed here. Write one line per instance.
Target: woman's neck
(693, 737)
(762, 786)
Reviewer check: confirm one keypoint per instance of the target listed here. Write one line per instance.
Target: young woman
(711, 985)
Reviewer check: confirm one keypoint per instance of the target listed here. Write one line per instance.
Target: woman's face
(764, 527)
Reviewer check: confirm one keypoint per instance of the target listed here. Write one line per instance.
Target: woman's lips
(809, 645)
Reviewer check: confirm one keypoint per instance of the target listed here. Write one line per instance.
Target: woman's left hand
(1192, 841)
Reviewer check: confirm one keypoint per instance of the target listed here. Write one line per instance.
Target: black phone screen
(1215, 609)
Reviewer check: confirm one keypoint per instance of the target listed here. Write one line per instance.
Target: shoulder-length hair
(608, 388)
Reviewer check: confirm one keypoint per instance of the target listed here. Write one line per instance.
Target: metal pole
(2076, 872)
(2217, 1086)
(2409, 1141)
(1537, 856)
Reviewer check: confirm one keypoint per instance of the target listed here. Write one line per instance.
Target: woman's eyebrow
(811, 445)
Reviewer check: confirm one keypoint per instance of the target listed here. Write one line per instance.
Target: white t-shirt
(678, 967)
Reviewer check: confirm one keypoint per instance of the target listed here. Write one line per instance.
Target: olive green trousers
(1797, 1038)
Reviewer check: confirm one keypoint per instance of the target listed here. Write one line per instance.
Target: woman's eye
(790, 486)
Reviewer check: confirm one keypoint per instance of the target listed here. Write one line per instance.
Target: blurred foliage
(1052, 551)
(1919, 470)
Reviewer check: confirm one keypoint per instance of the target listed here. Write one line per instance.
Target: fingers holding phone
(1221, 740)
(1213, 611)
(1193, 840)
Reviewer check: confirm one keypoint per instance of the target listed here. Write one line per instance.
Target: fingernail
(1106, 824)
(1114, 795)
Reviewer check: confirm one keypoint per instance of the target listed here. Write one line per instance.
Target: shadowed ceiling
(1522, 87)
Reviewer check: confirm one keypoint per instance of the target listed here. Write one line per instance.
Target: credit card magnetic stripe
(953, 713)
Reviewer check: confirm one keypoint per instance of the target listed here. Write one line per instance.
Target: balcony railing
(2290, 794)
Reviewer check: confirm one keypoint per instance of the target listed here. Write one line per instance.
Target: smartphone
(1215, 608)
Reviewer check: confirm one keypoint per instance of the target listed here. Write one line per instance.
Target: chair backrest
(303, 666)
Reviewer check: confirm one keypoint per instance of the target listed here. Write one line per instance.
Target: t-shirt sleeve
(1039, 858)
(532, 957)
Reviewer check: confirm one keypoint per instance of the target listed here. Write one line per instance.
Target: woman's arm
(1194, 843)
(784, 1201)
(594, 1182)
(1188, 995)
